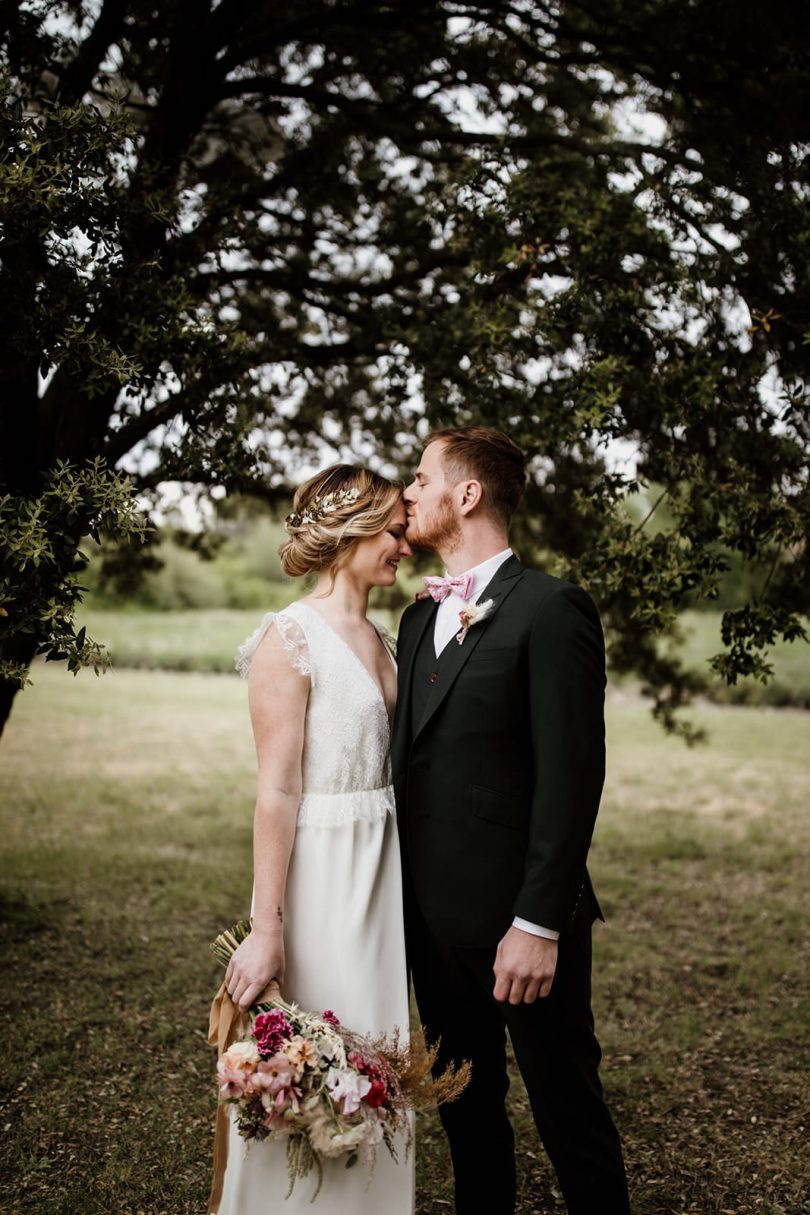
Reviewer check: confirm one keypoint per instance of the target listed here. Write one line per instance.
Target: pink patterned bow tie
(440, 588)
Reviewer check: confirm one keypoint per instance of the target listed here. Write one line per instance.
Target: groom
(498, 764)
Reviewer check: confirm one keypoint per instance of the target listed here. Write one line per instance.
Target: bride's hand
(254, 963)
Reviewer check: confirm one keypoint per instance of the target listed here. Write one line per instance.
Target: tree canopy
(234, 233)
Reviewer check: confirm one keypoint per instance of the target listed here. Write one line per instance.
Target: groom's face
(432, 521)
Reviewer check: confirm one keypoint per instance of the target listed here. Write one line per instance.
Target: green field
(790, 683)
(206, 640)
(190, 640)
(126, 811)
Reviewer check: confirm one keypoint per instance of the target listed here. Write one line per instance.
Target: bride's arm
(278, 703)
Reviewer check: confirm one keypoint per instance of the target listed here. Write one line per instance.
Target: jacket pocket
(501, 653)
(494, 807)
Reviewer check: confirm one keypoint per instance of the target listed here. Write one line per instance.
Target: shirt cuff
(535, 929)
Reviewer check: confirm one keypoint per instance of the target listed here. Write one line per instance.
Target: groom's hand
(524, 967)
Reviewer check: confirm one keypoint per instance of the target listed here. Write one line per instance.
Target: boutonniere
(474, 613)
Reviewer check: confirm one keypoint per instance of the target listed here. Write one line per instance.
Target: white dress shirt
(445, 627)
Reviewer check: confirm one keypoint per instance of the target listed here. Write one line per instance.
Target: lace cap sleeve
(292, 637)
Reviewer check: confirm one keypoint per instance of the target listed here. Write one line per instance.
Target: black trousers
(558, 1055)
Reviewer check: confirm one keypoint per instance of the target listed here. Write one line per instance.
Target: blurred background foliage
(241, 241)
(190, 598)
(234, 563)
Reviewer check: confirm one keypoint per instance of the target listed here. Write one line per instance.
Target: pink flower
(273, 1074)
(233, 1081)
(330, 1018)
(235, 1067)
(275, 1083)
(276, 1107)
(301, 1053)
(231, 1084)
(271, 1030)
(278, 1103)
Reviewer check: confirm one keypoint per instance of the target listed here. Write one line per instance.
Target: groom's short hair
(484, 454)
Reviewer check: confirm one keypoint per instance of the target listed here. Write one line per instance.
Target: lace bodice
(346, 764)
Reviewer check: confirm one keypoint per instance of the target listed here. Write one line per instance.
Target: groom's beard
(439, 531)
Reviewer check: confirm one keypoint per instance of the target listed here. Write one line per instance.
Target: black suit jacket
(498, 785)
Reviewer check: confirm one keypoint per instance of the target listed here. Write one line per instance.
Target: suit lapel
(454, 656)
(399, 748)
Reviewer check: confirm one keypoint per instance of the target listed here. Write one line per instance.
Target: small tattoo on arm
(280, 915)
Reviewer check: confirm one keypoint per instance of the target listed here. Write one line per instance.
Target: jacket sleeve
(405, 622)
(566, 702)
(402, 633)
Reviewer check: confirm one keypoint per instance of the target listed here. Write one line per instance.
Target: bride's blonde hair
(331, 512)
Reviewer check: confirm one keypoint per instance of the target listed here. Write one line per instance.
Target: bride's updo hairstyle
(331, 512)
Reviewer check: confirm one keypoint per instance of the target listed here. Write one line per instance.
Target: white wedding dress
(343, 929)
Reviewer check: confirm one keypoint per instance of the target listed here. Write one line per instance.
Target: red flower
(375, 1097)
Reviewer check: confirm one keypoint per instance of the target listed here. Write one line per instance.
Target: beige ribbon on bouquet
(225, 1022)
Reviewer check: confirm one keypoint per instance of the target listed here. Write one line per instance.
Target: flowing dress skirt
(345, 951)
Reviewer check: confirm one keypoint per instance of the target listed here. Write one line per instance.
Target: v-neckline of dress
(377, 688)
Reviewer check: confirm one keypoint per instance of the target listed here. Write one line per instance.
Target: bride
(327, 901)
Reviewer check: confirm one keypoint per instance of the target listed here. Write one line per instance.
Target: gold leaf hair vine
(319, 508)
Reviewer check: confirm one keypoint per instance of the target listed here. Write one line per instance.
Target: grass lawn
(206, 641)
(180, 640)
(192, 640)
(125, 827)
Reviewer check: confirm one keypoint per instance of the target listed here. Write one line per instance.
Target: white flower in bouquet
(242, 1055)
(329, 1143)
(347, 1086)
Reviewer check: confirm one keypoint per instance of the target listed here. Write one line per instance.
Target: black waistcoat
(426, 674)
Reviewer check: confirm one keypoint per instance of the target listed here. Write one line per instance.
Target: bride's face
(374, 559)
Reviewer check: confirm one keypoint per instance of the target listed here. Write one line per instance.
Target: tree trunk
(19, 650)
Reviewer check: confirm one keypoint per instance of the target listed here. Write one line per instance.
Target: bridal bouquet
(328, 1091)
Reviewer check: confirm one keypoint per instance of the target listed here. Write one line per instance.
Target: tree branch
(77, 77)
(310, 28)
(284, 280)
(391, 121)
(121, 441)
